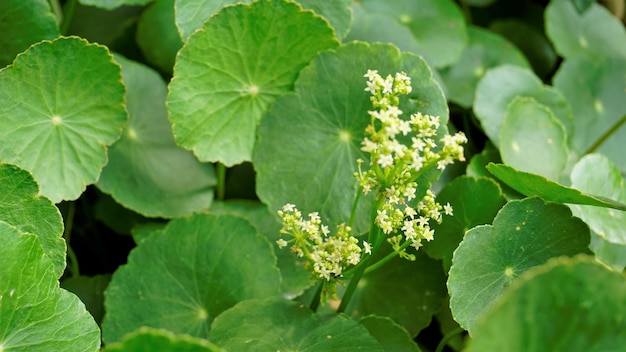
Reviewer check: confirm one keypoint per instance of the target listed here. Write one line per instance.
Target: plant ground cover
(277, 175)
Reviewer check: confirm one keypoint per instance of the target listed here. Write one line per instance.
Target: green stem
(386, 258)
(221, 181)
(354, 206)
(449, 336)
(315, 302)
(68, 14)
(606, 136)
(73, 266)
(56, 8)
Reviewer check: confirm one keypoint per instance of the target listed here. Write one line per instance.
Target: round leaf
(409, 292)
(595, 174)
(148, 339)
(182, 277)
(524, 234)
(36, 314)
(485, 50)
(532, 139)
(316, 160)
(438, 25)
(475, 202)
(190, 14)
(569, 304)
(594, 34)
(278, 325)
(599, 106)
(391, 336)
(157, 35)
(23, 23)
(144, 169)
(500, 85)
(20, 206)
(227, 74)
(65, 105)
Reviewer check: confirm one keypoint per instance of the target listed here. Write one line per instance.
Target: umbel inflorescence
(394, 167)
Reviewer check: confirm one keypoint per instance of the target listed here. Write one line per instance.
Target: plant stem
(73, 266)
(385, 259)
(354, 206)
(449, 336)
(315, 302)
(68, 14)
(221, 181)
(56, 8)
(606, 136)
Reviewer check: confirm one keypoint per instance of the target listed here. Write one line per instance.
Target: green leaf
(596, 174)
(112, 4)
(36, 314)
(500, 85)
(569, 304)
(295, 278)
(144, 169)
(182, 277)
(229, 72)
(65, 105)
(534, 185)
(599, 106)
(475, 202)
(610, 253)
(279, 325)
(438, 25)
(190, 14)
(20, 206)
(532, 139)
(23, 23)
(90, 290)
(485, 50)
(593, 34)
(313, 165)
(524, 234)
(391, 336)
(147, 339)
(409, 292)
(157, 36)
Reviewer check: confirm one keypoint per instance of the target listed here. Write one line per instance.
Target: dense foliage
(273, 175)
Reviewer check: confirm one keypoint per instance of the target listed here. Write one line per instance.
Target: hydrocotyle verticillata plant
(393, 169)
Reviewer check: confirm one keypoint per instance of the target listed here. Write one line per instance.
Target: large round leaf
(23, 23)
(182, 277)
(113, 4)
(228, 73)
(390, 335)
(20, 206)
(438, 25)
(568, 304)
(275, 324)
(409, 292)
(310, 140)
(190, 14)
(147, 339)
(532, 139)
(600, 106)
(475, 202)
(594, 33)
(501, 85)
(524, 234)
(485, 50)
(144, 169)
(37, 315)
(65, 105)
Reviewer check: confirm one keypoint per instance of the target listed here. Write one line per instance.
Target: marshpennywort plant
(400, 151)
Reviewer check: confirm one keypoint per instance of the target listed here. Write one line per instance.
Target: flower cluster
(328, 254)
(400, 151)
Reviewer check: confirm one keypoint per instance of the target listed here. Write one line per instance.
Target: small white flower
(385, 160)
(367, 248)
(447, 209)
(281, 243)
